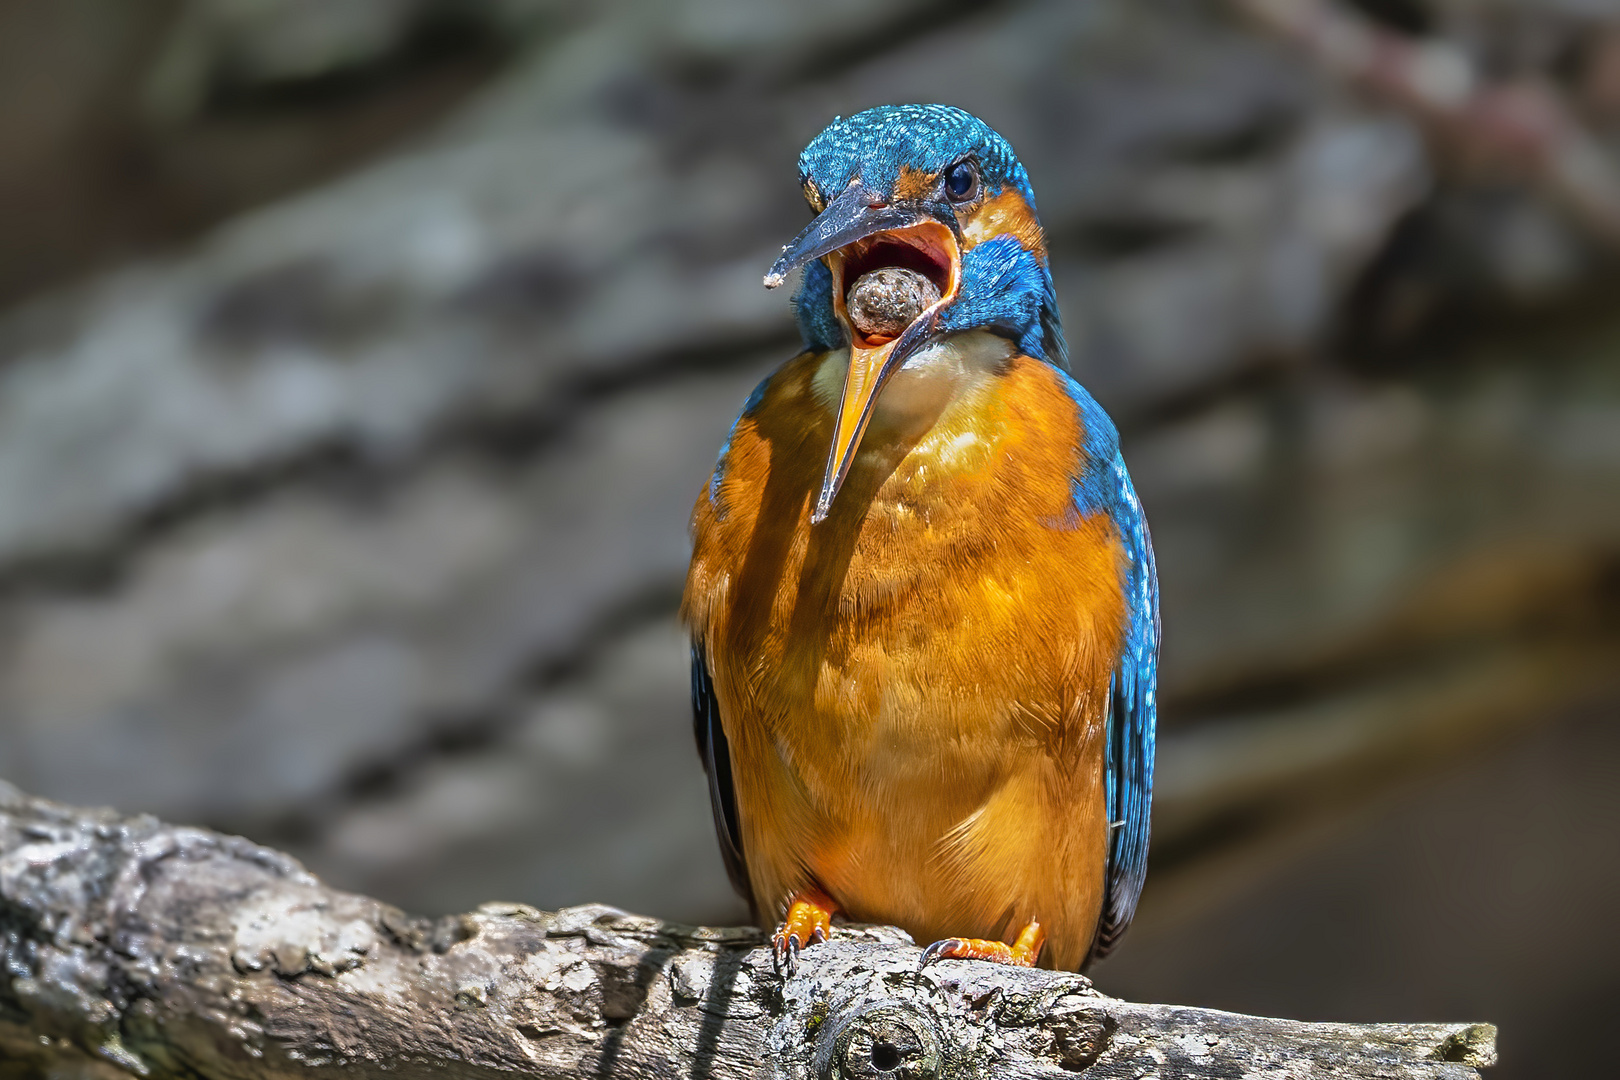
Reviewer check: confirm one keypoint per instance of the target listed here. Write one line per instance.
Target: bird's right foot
(808, 922)
(1023, 952)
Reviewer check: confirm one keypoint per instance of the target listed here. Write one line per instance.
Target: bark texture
(131, 946)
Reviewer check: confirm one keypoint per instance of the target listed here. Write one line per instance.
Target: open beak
(857, 233)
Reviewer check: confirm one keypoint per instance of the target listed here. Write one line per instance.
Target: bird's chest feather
(951, 614)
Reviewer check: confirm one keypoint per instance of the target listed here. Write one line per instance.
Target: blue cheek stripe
(813, 310)
(1006, 289)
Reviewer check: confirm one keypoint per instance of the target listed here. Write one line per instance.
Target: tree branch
(131, 946)
(1520, 127)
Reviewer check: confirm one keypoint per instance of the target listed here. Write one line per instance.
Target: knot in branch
(891, 1040)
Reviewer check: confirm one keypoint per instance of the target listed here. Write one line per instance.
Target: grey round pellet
(884, 302)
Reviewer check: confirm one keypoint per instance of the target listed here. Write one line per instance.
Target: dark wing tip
(715, 753)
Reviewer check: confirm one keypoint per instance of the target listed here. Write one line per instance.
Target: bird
(922, 598)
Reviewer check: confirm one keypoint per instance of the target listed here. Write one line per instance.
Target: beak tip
(824, 500)
(777, 273)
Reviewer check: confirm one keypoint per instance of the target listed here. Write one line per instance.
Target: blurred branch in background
(351, 517)
(1518, 127)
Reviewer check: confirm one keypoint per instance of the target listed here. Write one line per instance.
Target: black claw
(785, 955)
(936, 951)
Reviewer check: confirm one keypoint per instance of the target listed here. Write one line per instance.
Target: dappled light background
(360, 363)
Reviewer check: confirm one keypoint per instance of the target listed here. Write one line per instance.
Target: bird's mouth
(927, 249)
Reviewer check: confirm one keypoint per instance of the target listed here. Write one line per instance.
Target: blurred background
(360, 362)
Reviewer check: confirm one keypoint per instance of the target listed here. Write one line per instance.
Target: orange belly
(914, 690)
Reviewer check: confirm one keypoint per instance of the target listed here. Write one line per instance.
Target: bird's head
(928, 189)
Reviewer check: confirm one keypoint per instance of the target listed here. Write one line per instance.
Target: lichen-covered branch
(131, 946)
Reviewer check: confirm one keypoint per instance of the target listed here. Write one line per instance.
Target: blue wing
(1104, 486)
(1132, 718)
(716, 754)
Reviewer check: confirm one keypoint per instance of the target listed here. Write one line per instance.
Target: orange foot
(1021, 953)
(809, 920)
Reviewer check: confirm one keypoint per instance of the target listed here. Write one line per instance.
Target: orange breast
(914, 690)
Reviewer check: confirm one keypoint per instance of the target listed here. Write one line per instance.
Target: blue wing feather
(1104, 486)
(1132, 720)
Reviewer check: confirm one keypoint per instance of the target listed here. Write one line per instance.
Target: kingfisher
(922, 596)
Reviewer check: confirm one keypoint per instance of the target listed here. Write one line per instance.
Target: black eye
(961, 181)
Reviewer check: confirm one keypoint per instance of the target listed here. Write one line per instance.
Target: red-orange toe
(1021, 953)
(808, 922)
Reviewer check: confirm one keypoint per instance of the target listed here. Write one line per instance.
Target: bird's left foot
(808, 922)
(1021, 953)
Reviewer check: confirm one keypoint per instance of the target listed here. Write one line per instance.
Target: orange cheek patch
(914, 183)
(1006, 213)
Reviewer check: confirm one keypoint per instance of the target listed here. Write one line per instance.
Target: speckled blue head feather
(1005, 287)
(874, 144)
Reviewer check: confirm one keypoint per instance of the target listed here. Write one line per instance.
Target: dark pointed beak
(858, 213)
(855, 215)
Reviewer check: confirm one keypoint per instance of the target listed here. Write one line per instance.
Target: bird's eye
(961, 181)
